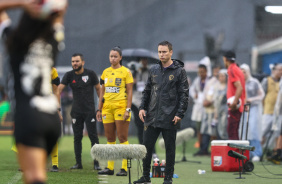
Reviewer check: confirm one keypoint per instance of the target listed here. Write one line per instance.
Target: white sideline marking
(15, 178)
(103, 179)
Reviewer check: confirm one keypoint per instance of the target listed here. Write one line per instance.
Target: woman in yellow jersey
(115, 105)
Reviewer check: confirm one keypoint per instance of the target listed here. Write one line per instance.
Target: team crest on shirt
(118, 81)
(73, 121)
(111, 80)
(171, 77)
(85, 78)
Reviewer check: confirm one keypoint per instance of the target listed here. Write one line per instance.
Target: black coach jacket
(165, 95)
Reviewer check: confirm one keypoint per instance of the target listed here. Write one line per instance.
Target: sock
(124, 161)
(54, 155)
(111, 163)
(14, 148)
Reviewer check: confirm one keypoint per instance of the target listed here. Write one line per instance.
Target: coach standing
(82, 81)
(165, 98)
(235, 87)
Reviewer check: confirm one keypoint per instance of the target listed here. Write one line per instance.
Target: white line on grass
(15, 178)
(103, 179)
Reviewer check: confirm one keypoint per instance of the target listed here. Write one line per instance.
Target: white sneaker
(256, 159)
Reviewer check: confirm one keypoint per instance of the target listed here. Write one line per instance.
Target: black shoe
(77, 166)
(202, 153)
(122, 172)
(143, 180)
(96, 165)
(274, 159)
(107, 171)
(167, 180)
(54, 168)
(199, 153)
(206, 153)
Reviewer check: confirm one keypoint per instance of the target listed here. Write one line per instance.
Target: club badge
(118, 81)
(85, 78)
(171, 77)
(73, 121)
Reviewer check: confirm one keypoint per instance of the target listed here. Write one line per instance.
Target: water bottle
(155, 166)
(162, 169)
(201, 171)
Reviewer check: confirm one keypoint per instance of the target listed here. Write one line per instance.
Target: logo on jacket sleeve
(85, 78)
(145, 128)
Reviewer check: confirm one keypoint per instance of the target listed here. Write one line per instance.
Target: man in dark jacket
(165, 99)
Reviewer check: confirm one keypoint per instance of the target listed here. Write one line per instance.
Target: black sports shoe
(143, 180)
(54, 168)
(202, 153)
(77, 166)
(107, 171)
(167, 182)
(122, 172)
(96, 165)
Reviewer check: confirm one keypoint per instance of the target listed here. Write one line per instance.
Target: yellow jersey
(115, 81)
(54, 73)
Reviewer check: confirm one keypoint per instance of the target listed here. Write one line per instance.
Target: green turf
(186, 171)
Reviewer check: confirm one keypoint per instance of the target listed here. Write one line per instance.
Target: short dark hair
(166, 43)
(230, 56)
(78, 54)
(118, 49)
(202, 66)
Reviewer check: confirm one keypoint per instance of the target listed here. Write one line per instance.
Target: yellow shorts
(114, 110)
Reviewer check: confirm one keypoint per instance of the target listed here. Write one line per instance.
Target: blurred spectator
(4, 105)
(270, 86)
(197, 93)
(207, 130)
(277, 154)
(66, 101)
(220, 104)
(255, 95)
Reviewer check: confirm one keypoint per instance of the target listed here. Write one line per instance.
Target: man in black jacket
(165, 99)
